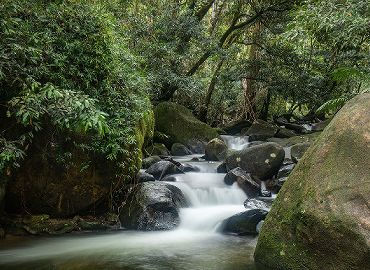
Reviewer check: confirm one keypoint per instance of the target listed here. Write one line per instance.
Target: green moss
(180, 125)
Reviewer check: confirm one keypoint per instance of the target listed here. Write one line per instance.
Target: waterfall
(235, 142)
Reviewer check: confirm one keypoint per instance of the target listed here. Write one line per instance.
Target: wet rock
(169, 178)
(216, 150)
(285, 133)
(321, 125)
(222, 168)
(163, 168)
(144, 177)
(244, 180)
(153, 206)
(179, 149)
(236, 127)
(254, 203)
(157, 149)
(261, 130)
(196, 146)
(323, 209)
(149, 161)
(189, 168)
(265, 193)
(293, 126)
(244, 223)
(298, 150)
(285, 170)
(261, 161)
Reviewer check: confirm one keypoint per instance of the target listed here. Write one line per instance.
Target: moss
(319, 219)
(180, 125)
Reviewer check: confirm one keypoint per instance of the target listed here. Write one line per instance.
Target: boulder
(261, 161)
(320, 219)
(244, 180)
(144, 177)
(320, 126)
(285, 133)
(196, 146)
(163, 168)
(178, 149)
(244, 223)
(222, 168)
(149, 161)
(293, 126)
(297, 151)
(216, 150)
(286, 142)
(180, 125)
(236, 127)
(157, 149)
(186, 167)
(261, 130)
(285, 170)
(169, 178)
(152, 206)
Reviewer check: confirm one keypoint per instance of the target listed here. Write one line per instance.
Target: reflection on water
(178, 250)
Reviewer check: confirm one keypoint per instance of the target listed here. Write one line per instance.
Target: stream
(195, 244)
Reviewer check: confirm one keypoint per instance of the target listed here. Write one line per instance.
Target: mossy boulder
(216, 150)
(287, 142)
(320, 219)
(59, 179)
(261, 130)
(180, 125)
(157, 149)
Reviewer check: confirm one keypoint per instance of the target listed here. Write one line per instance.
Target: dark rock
(293, 126)
(265, 193)
(144, 177)
(321, 125)
(222, 168)
(261, 130)
(261, 161)
(285, 133)
(149, 161)
(2, 233)
(216, 150)
(195, 159)
(254, 143)
(179, 149)
(287, 142)
(235, 127)
(189, 168)
(297, 151)
(285, 170)
(254, 203)
(244, 180)
(163, 168)
(153, 206)
(244, 223)
(323, 209)
(169, 178)
(157, 149)
(196, 146)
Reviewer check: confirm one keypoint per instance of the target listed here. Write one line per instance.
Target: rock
(244, 223)
(153, 206)
(285, 170)
(321, 125)
(261, 161)
(180, 125)
(157, 149)
(297, 151)
(287, 142)
(222, 168)
(265, 193)
(196, 146)
(169, 178)
(236, 127)
(254, 203)
(320, 220)
(261, 130)
(163, 168)
(244, 180)
(144, 177)
(216, 150)
(285, 133)
(178, 149)
(293, 126)
(189, 168)
(149, 161)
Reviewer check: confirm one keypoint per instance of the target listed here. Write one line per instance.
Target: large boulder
(244, 180)
(61, 180)
(320, 219)
(261, 130)
(152, 206)
(286, 142)
(216, 150)
(297, 151)
(236, 127)
(178, 149)
(149, 161)
(261, 161)
(163, 168)
(157, 149)
(180, 125)
(244, 223)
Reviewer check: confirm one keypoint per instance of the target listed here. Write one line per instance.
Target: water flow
(235, 142)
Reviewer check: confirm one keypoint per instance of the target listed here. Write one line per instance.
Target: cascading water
(235, 142)
(195, 244)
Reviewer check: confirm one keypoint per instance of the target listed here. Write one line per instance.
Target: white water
(211, 202)
(235, 142)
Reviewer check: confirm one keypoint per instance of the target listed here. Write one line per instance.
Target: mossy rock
(287, 142)
(180, 125)
(320, 219)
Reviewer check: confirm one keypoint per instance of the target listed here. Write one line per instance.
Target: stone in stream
(255, 203)
(222, 168)
(261, 161)
(178, 149)
(157, 149)
(163, 168)
(196, 146)
(244, 180)
(169, 178)
(186, 167)
(320, 219)
(152, 206)
(149, 161)
(261, 130)
(285, 133)
(297, 151)
(244, 223)
(236, 127)
(142, 177)
(285, 170)
(216, 150)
